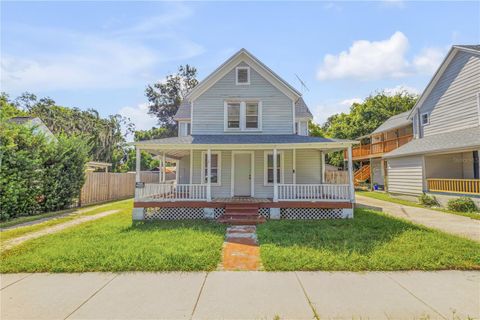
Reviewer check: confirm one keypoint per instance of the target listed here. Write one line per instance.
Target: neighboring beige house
(443, 157)
(244, 153)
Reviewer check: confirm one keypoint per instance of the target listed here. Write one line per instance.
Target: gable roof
(301, 110)
(254, 63)
(394, 122)
(474, 49)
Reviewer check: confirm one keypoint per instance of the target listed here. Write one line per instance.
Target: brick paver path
(240, 249)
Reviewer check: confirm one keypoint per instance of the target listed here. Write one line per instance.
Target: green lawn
(370, 241)
(386, 197)
(19, 231)
(114, 244)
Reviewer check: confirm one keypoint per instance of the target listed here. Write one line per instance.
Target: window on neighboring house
(251, 115)
(425, 119)
(215, 168)
(233, 114)
(242, 75)
(268, 178)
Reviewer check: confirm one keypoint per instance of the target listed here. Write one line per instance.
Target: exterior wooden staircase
(241, 214)
(361, 175)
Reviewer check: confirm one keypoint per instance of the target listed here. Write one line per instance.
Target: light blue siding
(208, 109)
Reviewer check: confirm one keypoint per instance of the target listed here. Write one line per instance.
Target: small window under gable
(425, 119)
(242, 75)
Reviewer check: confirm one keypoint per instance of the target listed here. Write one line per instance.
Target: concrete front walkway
(242, 295)
(446, 222)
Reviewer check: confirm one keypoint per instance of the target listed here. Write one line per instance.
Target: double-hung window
(268, 165)
(251, 116)
(242, 76)
(233, 115)
(425, 119)
(243, 115)
(215, 168)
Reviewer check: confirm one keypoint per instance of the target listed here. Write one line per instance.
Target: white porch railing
(171, 192)
(314, 192)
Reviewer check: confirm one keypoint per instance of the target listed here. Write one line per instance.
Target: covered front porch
(216, 175)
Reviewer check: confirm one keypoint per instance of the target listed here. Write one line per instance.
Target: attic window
(242, 75)
(425, 119)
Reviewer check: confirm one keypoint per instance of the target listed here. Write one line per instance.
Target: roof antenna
(304, 86)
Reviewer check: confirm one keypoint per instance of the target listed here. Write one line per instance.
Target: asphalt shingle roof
(301, 110)
(469, 46)
(448, 141)
(394, 122)
(241, 139)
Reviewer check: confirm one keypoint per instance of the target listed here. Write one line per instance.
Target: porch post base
(275, 213)
(347, 213)
(209, 213)
(138, 214)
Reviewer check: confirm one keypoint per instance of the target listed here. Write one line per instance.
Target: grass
(114, 243)
(386, 197)
(17, 232)
(23, 219)
(370, 241)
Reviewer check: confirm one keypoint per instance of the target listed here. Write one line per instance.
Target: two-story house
(443, 156)
(367, 156)
(244, 154)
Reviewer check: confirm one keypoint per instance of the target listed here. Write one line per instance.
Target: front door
(242, 175)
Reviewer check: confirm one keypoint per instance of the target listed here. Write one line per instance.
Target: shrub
(463, 204)
(427, 200)
(37, 175)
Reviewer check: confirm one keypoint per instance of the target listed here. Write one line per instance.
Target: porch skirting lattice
(310, 213)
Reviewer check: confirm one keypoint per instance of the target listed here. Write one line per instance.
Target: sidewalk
(242, 295)
(449, 223)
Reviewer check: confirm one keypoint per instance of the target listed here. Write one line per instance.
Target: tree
(154, 133)
(165, 97)
(364, 118)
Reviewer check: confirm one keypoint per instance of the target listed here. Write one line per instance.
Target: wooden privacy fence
(106, 186)
(336, 177)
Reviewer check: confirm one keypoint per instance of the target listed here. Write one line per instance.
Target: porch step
(241, 219)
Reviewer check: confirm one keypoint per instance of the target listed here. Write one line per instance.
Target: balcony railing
(314, 192)
(378, 148)
(171, 192)
(463, 186)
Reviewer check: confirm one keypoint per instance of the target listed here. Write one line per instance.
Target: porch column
(275, 184)
(137, 164)
(163, 167)
(350, 174)
(294, 165)
(209, 175)
(322, 155)
(191, 167)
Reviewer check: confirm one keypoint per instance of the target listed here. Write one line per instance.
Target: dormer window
(425, 119)
(242, 75)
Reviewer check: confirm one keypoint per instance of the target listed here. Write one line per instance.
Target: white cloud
(139, 116)
(324, 110)
(371, 60)
(368, 60)
(428, 60)
(401, 88)
(114, 59)
(349, 102)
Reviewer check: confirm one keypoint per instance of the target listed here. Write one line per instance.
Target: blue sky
(102, 54)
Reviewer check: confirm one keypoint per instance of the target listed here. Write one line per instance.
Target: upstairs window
(296, 128)
(189, 128)
(233, 115)
(242, 75)
(424, 119)
(251, 115)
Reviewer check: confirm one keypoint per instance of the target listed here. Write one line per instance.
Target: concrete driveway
(242, 295)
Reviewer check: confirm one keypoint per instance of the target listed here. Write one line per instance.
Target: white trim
(236, 76)
(191, 117)
(293, 117)
(243, 115)
(322, 156)
(421, 119)
(265, 167)
(252, 172)
(255, 64)
(138, 155)
(350, 174)
(191, 166)
(219, 168)
(294, 166)
(478, 105)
